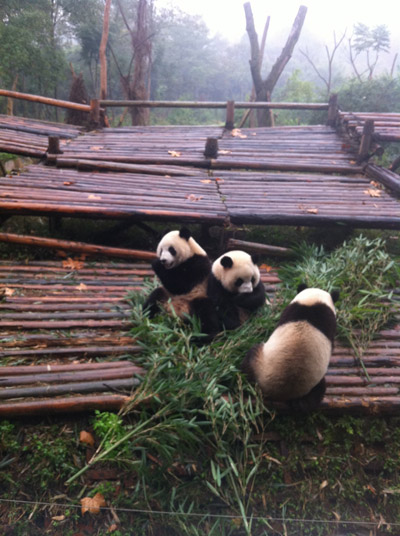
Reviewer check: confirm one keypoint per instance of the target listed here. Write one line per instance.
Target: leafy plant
(363, 272)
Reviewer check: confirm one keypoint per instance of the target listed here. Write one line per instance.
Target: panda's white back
(293, 360)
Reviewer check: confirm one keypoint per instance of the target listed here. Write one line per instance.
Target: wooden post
(332, 110)
(211, 150)
(53, 146)
(366, 140)
(95, 112)
(230, 115)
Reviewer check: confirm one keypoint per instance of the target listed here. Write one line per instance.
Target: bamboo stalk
(259, 248)
(53, 368)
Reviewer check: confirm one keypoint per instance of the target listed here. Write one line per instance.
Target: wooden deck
(29, 137)
(282, 175)
(62, 315)
(386, 125)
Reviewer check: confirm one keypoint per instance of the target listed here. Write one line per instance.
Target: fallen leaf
(224, 151)
(93, 504)
(192, 197)
(72, 264)
(112, 528)
(68, 183)
(96, 148)
(371, 488)
(206, 181)
(375, 183)
(236, 133)
(266, 267)
(174, 153)
(58, 518)
(372, 192)
(82, 286)
(312, 210)
(93, 196)
(323, 485)
(219, 180)
(86, 438)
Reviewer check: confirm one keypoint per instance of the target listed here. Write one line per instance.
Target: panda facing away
(183, 268)
(291, 366)
(235, 289)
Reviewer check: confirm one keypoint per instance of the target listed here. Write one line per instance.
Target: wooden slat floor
(301, 148)
(52, 191)
(56, 313)
(168, 182)
(307, 199)
(386, 125)
(29, 137)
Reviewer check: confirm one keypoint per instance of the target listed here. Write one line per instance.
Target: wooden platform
(29, 137)
(55, 313)
(386, 125)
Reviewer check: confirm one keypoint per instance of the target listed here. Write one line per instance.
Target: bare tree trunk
(10, 102)
(102, 51)
(264, 88)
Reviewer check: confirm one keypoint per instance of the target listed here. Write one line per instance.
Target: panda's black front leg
(205, 311)
(156, 297)
(252, 300)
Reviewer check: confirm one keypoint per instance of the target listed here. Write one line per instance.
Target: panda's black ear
(301, 287)
(335, 295)
(185, 233)
(226, 262)
(255, 258)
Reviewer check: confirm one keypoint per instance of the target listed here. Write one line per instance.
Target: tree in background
(264, 88)
(368, 43)
(35, 57)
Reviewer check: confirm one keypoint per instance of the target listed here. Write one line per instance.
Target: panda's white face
(173, 250)
(311, 296)
(236, 272)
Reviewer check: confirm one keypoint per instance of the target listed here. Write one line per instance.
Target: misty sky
(227, 16)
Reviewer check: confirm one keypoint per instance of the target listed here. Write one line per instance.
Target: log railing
(94, 108)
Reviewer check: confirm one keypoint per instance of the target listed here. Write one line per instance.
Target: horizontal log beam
(217, 105)
(45, 100)
(77, 247)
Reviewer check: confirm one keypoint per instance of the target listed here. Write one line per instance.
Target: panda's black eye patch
(253, 280)
(239, 281)
(172, 250)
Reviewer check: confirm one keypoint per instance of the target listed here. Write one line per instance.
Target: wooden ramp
(74, 318)
(29, 137)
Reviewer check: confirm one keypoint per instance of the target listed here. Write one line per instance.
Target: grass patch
(200, 440)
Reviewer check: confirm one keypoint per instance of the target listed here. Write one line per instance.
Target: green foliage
(375, 39)
(363, 272)
(296, 90)
(380, 94)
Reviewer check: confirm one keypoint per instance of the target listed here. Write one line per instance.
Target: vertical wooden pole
(211, 149)
(230, 115)
(332, 110)
(366, 141)
(53, 146)
(95, 112)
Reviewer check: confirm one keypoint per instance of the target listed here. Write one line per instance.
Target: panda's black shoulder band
(301, 287)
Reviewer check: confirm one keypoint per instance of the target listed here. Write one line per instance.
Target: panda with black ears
(235, 289)
(291, 366)
(183, 268)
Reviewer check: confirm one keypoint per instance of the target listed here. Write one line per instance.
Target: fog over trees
(184, 62)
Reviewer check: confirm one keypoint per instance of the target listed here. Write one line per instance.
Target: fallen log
(77, 247)
(259, 248)
(70, 404)
(69, 388)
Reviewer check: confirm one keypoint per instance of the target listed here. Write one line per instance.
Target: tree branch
(255, 48)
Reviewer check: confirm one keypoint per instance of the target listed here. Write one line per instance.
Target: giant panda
(235, 289)
(292, 364)
(183, 268)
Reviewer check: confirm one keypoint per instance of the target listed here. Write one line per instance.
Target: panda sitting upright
(235, 289)
(183, 268)
(291, 366)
